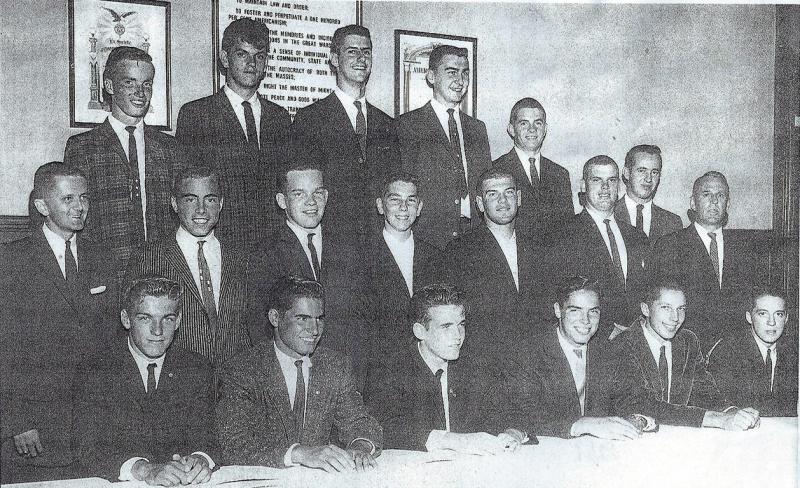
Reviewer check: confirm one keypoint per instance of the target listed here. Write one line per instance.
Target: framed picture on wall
(98, 26)
(300, 34)
(411, 53)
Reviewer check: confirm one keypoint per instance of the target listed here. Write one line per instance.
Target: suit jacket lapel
(229, 116)
(339, 121)
(112, 140)
(295, 252)
(707, 268)
(390, 270)
(642, 351)
(436, 132)
(47, 262)
(496, 255)
(679, 389)
(175, 257)
(278, 395)
(561, 369)
(229, 265)
(520, 177)
(597, 238)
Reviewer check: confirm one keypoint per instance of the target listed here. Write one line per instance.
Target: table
(673, 457)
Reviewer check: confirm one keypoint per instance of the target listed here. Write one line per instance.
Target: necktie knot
(200, 244)
(450, 111)
(358, 105)
(578, 352)
(311, 237)
(639, 207)
(246, 104)
(151, 367)
(713, 236)
(67, 245)
(151, 378)
(438, 374)
(130, 129)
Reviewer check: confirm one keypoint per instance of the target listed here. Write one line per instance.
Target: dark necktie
(135, 187)
(663, 373)
(299, 409)
(361, 129)
(438, 375)
(534, 173)
(250, 125)
(314, 259)
(455, 147)
(580, 379)
(713, 253)
(639, 217)
(615, 253)
(207, 287)
(70, 267)
(151, 379)
(768, 365)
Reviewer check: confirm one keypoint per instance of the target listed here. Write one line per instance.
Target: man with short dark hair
(241, 134)
(641, 175)
(446, 148)
(544, 185)
(212, 271)
(358, 140)
(59, 298)
(144, 409)
(129, 165)
(281, 399)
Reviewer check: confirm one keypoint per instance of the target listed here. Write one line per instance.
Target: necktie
(713, 252)
(455, 147)
(639, 217)
(438, 375)
(250, 125)
(534, 174)
(361, 129)
(70, 267)
(151, 379)
(580, 379)
(207, 287)
(135, 188)
(615, 253)
(768, 365)
(299, 409)
(314, 259)
(663, 373)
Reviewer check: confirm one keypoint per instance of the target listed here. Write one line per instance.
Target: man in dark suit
(280, 400)
(758, 365)
(715, 267)
(597, 245)
(59, 299)
(545, 186)
(668, 361)
(498, 257)
(212, 272)
(399, 263)
(129, 165)
(641, 175)
(429, 397)
(145, 410)
(446, 148)
(358, 140)
(241, 134)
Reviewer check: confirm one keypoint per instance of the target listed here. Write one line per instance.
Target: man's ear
(281, 199)
(519, 198)
(626, 173)
(178, 320)
(510, 130)
(379, 205)
(420, 332)
(430, 76)
(557, 310)
(126, 321)
(223, 59)
(41, 207)
(274, 318)
(221, 202)
(645, 309)
(583, 185)
(479, 203)
(335, 61)
(419, 207)
(174, 203)
(749, 317)
(109, 86)
(692, 204)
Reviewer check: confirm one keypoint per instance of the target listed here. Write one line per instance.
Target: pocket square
(97, 290)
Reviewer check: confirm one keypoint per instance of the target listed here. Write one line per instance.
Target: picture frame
(411, 52)
(98, 26)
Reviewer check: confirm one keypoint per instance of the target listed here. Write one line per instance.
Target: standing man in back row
(446, 148)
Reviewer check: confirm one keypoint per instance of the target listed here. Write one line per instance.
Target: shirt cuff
(287, 458)
(372, 444)
(211, 464)
(126, 470)
(435, 439)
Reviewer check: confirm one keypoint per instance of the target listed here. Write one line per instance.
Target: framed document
(411, 53)
(300, 34)
(98, 26)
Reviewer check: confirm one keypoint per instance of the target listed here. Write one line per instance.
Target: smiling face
(498, 200)
(152, 323)
(353, 62)
(710, 201)
(768, 318)
(245, 66)
(304, 197)
(198, 205)
(601, 183)
(450, 80)
(400, 205)
(579, 316)
(529, 130)
(65, 205)
(643, 177)
(131, 87)
(444, 332)
(666, 315)
(299, 329)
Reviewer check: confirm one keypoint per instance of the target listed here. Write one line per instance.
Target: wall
(697, 80)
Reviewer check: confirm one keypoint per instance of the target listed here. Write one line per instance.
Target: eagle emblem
(119, 28)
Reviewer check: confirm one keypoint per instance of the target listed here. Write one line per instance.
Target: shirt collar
(389, 237)
(632, 205)
(567, 346)
(184, 237)
(237, 100)
(302, 232)
(347, 100)
(143, 360)
(57, 243)
(525, 157)
(441, 110)
(653, 339)
(763, 346)
(703, 233)
(598, 219)
(287, 361)
(119, 126)
(500, 237)
(433, 363)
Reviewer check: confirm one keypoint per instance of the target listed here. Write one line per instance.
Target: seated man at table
(758, 365)
(279, 405)
(669, 362)
(144, 410)
(425, 396)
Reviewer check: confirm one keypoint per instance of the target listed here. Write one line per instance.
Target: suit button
(457, 201)
(455, 234)
(360, 160)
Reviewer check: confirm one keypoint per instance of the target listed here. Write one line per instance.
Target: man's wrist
(141, 469)
(362, 444)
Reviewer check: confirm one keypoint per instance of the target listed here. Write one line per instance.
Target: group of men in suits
(245, 238)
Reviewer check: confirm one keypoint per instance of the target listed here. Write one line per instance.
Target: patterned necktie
(639, 217)
(615, 253)
(713, 252)
(299, 409)
(314, 258)
(455, 148)
(207, 287)
(250, 125)
(768, 365)
(361, 129)
(135, 189)
(534, 173)
(663, 373)
(151, 379)
(580, 379)
(70, 267)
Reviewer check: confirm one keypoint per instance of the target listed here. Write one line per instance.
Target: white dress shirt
(526, 163)
(444, 119)
(703, 233)
(647, 213)
(238, 109)
(302, 236)
(59, 247)
(601, 226)
(762, 348)
(138, 135)
(403, 254)
(434, 364)
(212, 250)
(654, 342)
(509, 247)
(577, 366)
(350, 107)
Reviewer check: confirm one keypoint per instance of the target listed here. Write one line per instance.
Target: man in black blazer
(758, 365)
(240, 133)
(446, 148)
(212, 272)
(145, 410)
(597, 245)
(399, 263)
(59, 303)
(427, 396)
(714, 266)
(641, 175)
(544, 185)
(498, 257)
(358, 140)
